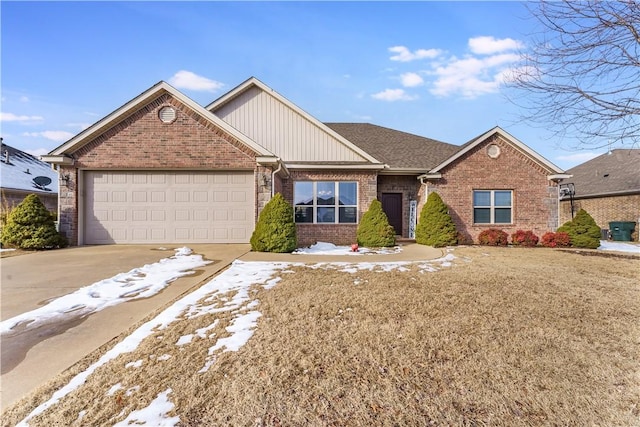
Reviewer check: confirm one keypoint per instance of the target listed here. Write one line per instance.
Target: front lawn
(498, 336)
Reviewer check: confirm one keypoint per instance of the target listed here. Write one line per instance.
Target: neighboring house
(22, 174)
(163, 169)
(607, 187)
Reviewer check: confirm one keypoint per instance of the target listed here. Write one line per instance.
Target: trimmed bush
(493, 237)
(374, 230)
(31, 226)
(582, 230)
(554, 240)
(435, 227)
(275, 230)
(524, 238)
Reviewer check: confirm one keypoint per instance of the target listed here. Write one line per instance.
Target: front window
(492, 206)
(322, 202)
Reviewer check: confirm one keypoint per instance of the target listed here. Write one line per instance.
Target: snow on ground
(142, 282)
(322, 248)
(608, 245)
(6, 250)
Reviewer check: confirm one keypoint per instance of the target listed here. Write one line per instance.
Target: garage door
(168, 207)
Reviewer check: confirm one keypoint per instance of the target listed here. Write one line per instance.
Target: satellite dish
(41, 182)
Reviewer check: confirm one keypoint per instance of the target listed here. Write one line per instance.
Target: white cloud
(24, 99)
(487, 45)
(393, 95)
(10, 117)
(187, 80)
(53, 135)
(80, 126)
(411, 80)
(579, 157)
(405, 55)
(38, 152)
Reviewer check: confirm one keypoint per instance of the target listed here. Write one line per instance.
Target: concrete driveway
(30, 280)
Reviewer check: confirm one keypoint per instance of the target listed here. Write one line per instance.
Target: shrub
(582, 230)
(275, 230)
(31, 226)
(435, 227)
(374, 230)
(493, 237)
(553, 240)
(524, 238)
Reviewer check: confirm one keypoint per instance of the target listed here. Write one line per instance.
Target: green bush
(275, 230)
(31, 226)
(435, 227)
(582, 230)
(374, 230)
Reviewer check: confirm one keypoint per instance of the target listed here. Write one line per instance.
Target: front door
(392, 206)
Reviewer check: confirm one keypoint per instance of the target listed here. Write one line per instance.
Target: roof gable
(132, 106)
(284, 128)
(615, 172)
(508, 138)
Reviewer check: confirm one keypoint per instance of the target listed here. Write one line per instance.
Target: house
(607, 187)
(164, 169)
(23, 174)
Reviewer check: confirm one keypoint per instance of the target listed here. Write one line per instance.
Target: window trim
(492, 207)
(336, 206)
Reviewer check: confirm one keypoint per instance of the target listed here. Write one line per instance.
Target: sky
(434, 69)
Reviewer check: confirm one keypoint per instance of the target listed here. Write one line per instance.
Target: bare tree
(582, 72)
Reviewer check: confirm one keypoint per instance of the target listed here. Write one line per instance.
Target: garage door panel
(168, 207)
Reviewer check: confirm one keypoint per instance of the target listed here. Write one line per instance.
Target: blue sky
(429, 68)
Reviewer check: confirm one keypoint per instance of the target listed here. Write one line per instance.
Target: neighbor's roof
(21, 168)
(399, 150)
(616, 172)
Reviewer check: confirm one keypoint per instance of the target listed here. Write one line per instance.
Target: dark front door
(392, 206)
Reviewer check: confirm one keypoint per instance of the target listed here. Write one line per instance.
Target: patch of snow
(153, 415)
(608, 245)
(135, 364)
(142, 282)
(184, 340)
(164, 357)
(6, 250)
(113, 389)
(323, 248)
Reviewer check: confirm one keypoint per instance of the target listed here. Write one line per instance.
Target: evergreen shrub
(31, 226)
(493, 237)
(374, 230)
(524, 238)
(275, 230)
(435, 227)
(582, 230)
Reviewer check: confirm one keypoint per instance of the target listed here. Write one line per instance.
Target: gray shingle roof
(22, 168)
(611, 173)
(397, 149)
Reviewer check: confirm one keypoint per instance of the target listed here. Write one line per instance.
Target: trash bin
(621, 230)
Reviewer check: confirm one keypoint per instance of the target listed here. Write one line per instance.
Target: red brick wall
(409, 186)
(142, 141)
(605, 210)
(339, 234)
(535, 202)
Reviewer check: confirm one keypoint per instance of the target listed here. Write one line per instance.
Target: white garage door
(168, 207)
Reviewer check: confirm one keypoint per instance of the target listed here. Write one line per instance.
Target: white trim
(353, 167)
(252, 81)
(336, 206)
(513, 141)
(58, 160)
(149, 95)
(558, 177)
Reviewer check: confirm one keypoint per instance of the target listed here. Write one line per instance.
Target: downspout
(273, 177)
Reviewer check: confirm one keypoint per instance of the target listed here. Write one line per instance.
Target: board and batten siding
(282, 130)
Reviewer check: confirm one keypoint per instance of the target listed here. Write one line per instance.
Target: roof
(20, 170)
(144, 98)
(399, 150)
(506, 136)
(616, 172)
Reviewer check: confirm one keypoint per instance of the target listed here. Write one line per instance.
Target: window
(492, 206)
(324, 202)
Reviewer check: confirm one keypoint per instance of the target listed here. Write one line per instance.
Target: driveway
(30, 280)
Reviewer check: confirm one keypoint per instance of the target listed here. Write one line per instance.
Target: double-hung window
(332, 202)
(492, 206)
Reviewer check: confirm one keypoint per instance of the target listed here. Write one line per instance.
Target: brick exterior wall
(409, 186)
(535, 199)
(11, 199)
(142, 141)
(339, 234)
(605, 210)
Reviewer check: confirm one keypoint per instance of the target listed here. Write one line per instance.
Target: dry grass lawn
(504, 337)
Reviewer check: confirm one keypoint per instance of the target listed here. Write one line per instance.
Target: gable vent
(167, 114)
